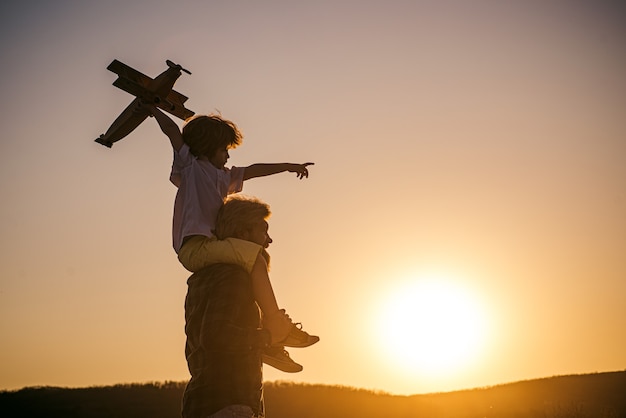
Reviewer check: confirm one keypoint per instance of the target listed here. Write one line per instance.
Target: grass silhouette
(601, 395)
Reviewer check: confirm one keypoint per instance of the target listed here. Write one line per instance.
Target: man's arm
(168, 126)
(261, 170)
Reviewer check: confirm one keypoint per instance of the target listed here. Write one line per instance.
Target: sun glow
(431, 325)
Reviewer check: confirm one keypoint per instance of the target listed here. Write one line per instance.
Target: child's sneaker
(298, 338)
(279, 325)
(286, 333)
(278, 357)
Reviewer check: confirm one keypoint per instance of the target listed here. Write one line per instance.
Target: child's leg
(275, 320)
(262, 287)
(199, 252)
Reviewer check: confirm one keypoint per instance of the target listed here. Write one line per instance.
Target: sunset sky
(464, 224)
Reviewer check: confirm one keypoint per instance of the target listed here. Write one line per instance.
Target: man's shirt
(224, 342)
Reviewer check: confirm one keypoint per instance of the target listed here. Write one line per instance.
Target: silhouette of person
(225, 341)
(201, 151)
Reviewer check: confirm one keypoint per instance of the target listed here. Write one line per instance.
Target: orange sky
(480, 146)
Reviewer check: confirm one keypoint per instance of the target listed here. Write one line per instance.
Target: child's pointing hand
(300, 170)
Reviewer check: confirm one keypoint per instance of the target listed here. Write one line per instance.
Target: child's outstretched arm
(168, 126)
(260, 170)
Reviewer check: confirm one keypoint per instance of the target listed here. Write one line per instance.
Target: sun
(431, 325)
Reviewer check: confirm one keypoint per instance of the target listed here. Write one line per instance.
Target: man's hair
(205, 134)
(239, 214)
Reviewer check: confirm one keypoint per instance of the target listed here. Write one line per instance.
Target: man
(225, 343)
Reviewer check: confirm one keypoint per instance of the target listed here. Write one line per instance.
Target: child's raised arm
(260, 170)
(168, 126)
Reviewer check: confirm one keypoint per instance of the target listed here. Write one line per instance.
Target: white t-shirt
(201, 191)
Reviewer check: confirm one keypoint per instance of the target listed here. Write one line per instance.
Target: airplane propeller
(177, 66)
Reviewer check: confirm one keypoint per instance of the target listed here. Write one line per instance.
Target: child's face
(219, 158)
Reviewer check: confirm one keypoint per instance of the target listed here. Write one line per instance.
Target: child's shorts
(200, 251)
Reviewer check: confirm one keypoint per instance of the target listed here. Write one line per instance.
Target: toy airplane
(147, 90)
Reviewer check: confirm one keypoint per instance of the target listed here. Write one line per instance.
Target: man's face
(259, 235)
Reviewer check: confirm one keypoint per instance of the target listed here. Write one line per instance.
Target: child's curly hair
(205, 134)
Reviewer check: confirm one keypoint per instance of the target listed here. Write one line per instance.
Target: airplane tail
(101, 140)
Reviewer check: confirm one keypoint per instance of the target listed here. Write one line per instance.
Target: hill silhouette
(601, 395)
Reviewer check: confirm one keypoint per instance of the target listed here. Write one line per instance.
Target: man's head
(244, 218)
(208, 135)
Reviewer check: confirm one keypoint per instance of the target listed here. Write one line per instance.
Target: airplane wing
(174, 105)
(129, 73)
(131, 87)
(178, 111)
(176, 97)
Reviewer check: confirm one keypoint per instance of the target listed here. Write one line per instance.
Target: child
(198, 170)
